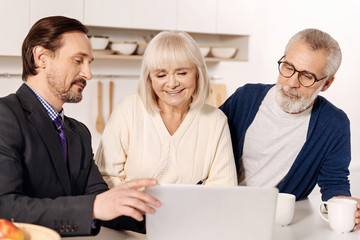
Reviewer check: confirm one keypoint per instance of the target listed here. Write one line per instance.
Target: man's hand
(357, 213)
(127, 199)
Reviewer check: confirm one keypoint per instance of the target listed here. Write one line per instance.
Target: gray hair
(317, 40)
(172, 47)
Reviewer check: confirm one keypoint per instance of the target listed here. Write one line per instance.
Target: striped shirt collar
(53, 114)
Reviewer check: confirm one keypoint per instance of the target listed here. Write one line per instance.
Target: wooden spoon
(111, 89)
(217, 95)
(99, 119)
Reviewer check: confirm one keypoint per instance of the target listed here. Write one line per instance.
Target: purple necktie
(61, 131)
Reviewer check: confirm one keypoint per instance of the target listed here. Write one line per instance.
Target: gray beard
(290, 105)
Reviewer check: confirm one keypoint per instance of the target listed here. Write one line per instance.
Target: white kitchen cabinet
(235, 17)
(45, 8)
(155, 14)
(108, 13)
(200, 16)
(14, 26)
(197, 16)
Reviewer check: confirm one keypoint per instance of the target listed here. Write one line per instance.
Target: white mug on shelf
(284, 209)
(340, 214)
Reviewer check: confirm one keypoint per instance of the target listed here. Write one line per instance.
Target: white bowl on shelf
(124, 48)
(99, 42)
(223, 52)
(204, 50)
(141, 48)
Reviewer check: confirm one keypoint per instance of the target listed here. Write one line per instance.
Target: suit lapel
(40, 120)
(73, 147)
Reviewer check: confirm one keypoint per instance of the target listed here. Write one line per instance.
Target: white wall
(273, 23)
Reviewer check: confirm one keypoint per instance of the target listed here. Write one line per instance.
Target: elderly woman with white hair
(167, 131)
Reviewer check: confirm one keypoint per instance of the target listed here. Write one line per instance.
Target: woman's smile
(174, 92)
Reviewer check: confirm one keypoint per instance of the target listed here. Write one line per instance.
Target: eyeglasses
(305, 78)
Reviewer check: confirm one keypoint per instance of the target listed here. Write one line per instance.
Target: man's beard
(66, 95)
(294, 105)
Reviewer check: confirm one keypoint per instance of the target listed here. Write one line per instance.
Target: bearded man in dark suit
(47, 173)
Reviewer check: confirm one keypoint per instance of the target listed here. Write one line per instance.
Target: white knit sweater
(136, 144)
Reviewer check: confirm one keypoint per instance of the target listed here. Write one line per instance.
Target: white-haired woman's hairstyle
(318, 40)
(178, 49)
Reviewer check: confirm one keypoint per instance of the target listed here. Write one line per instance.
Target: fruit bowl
(36, 232)
(223, 52)
(124, 48)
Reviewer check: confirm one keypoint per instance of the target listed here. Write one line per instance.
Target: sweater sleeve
(333, 175)
(112, 151)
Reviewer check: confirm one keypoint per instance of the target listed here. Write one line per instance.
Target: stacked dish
(141, 48)
(124, 48)
(204, 50)
(99, 42)
(223, 52)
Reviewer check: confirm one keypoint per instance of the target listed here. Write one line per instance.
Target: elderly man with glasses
(286, 135)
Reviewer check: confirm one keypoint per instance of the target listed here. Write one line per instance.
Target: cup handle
(323, 215)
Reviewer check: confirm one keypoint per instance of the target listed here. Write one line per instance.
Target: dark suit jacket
(35, 184)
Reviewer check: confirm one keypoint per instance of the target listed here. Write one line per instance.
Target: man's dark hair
(46, 32)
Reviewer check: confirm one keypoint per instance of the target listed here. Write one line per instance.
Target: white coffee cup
(284, 209)
(341, 214)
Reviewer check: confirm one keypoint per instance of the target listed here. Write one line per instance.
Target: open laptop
(201, 212)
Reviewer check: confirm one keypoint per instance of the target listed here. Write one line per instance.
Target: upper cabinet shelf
(138, 57)
(203, 39)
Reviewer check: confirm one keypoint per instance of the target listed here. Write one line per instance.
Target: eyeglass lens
(287, 70)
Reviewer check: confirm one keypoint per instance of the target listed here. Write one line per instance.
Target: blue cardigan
(324, 158)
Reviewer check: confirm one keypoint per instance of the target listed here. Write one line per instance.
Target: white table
(306, 224)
